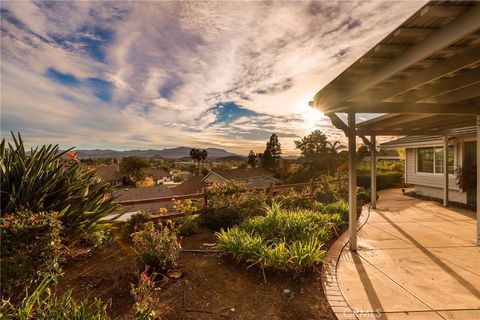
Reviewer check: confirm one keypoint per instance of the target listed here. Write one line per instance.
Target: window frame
(434, 147)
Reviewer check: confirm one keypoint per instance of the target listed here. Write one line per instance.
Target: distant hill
(167, 153)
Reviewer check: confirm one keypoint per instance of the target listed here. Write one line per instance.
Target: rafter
(410, 108)
(468, 23)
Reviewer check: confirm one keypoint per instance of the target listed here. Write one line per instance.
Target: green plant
(31, 247)
(230, 203)
(384, 180)
(339, 207)
(97, 238)
(44, 180)
(144, 294)
(187, 224)
(325, 193)
(364, 195)
(137, 221)
(282, 239)
(44, 304)
(467, 178)
(157, 247)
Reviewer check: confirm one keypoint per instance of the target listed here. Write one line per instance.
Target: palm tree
(333, 148)
(195, 155)
(202, 156)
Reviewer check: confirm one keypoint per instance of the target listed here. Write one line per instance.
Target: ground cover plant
(286, 240)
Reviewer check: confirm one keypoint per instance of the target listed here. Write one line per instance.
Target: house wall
(434, 192)
(431, 184)
(257, 182)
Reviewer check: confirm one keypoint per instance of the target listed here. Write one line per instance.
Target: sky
(148, 75)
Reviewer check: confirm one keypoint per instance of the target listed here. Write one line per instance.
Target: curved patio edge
(330, 286)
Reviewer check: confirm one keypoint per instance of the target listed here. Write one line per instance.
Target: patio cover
(423, 78)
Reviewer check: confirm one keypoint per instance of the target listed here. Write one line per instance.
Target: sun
(311, 117)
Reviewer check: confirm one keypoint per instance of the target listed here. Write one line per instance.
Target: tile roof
(243, 173)
(124, 194)
(192, 185)
(158, 173)
(109, 173)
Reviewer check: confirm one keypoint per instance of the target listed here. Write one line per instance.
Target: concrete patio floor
(415, 260)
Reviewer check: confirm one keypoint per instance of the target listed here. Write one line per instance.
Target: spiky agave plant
(46, 180)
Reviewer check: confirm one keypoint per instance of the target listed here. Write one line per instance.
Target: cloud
(156, 74)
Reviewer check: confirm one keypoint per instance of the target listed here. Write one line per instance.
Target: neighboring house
(127, 194)
(251, 178)
(160, 176)
(110, 173)
(192, 185)
(424, 162)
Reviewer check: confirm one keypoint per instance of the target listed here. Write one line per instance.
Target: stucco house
(250, 177)
(424, 165)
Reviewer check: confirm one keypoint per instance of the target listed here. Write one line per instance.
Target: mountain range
(167, 153)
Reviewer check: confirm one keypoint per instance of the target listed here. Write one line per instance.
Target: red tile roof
(192, 185)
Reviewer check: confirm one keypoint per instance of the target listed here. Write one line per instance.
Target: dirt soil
(213, 287)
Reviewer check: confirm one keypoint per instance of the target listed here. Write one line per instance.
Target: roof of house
(109, 173)
(242, 173)
(158, 173)
(192, 185)
(125, 194)
(413, 141)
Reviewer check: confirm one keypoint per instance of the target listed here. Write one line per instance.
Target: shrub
(30, 249)
(97, 238)
(43, 304)
(339, 207)
(188, 222)
(144, 295)
(364, 195)
(46, 181)
(384, 180)
(325, 193)
(157, 247)
(230, 203)
(283, 239)
(295, 199)
(137, 221)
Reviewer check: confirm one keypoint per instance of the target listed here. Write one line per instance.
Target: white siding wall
(431, 184)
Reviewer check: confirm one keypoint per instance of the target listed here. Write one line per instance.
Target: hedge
(384, 180)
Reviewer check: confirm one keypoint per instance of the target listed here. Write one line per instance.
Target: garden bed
(213, 287)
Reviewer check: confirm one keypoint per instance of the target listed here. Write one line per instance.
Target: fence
(270, 191)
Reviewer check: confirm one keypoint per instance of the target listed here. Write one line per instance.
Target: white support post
(478, 180)
(352, 182)
(373, 183)
(445, 171)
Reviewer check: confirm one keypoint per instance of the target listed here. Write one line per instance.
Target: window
(430, 160)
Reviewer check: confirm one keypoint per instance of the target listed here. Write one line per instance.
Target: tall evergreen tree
(252, 159)
(273, 151)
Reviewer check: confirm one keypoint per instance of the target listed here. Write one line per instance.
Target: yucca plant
(46, 180)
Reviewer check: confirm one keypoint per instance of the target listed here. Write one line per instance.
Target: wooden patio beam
(410, 108)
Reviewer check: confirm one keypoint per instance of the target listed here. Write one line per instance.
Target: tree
(333, 148)
(198, 156)
(272, 153)
(134, 168)
(362, 152)
(202, 156)
(252, 159)
(315, 150)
